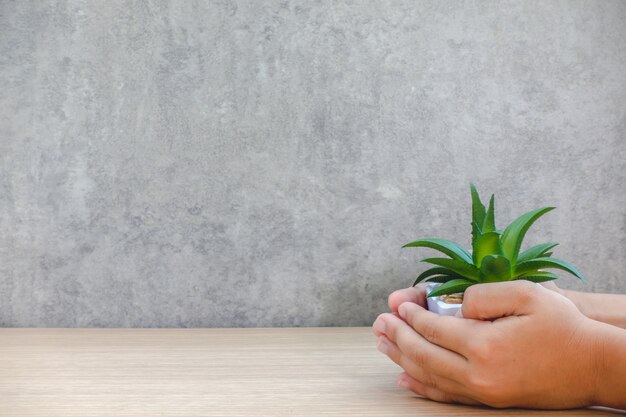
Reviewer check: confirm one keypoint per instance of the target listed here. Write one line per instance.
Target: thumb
(499, 299)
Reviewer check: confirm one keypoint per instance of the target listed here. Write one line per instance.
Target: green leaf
(487, 244)
(441, 278)
(540, 276)
(476, 232)
(536, 251)
(489, 224)
(462, 268)
(478, 213)
(478, 208)
(495, 268)
(448, 247)
(433, 271)
(451, 287)
(514, 234)
(536, 264)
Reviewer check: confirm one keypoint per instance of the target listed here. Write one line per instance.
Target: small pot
(446, 305)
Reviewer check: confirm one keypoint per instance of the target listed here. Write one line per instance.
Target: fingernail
(403, 383)
(379, 326)
(382, 346)
(402, 310)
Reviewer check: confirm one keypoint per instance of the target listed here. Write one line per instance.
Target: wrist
(597, 363)
(607, 382)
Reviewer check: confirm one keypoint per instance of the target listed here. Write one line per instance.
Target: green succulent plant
(495, 254)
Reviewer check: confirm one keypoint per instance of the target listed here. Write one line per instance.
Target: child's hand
(518, 344)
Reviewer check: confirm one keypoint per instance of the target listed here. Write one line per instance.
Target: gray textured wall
(220, 163)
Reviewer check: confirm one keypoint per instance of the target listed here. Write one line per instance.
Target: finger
(415, 294)
(406, 381)
(451, 333)
(379, 326)
(432, 358)
(394, 353)
(499, 299)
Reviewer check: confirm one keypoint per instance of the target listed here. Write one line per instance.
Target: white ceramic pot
(436, 305)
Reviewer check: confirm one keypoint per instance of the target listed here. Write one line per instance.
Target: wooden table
(209, 372)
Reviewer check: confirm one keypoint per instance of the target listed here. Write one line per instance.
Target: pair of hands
(517, 344)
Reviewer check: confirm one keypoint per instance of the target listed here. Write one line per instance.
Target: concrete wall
(260, 163)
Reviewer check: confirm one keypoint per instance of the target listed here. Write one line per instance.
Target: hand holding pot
(517, 345)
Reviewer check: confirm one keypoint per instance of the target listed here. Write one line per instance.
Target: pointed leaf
(478, 213)
(536, 251)
(514, 234)
(489, 224)
(462, 268)
(487, 244)
(448, 247)
(441, 278)
(546, 263)
(495, 268)
(433, 271)
(478, 208)
(539, 277)
(476, 232)
(534, 272)
(451, 287)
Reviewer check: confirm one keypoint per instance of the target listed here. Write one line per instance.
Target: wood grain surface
(210, 372)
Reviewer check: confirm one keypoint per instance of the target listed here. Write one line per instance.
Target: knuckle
(484, 388)
(430, 381)
(484, 348)
(489, 389)
(480, 383)
(429, 331)
(419, 359)
(526, 290)
(480, 350)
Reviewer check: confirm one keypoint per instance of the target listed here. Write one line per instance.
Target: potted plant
(495, 257)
